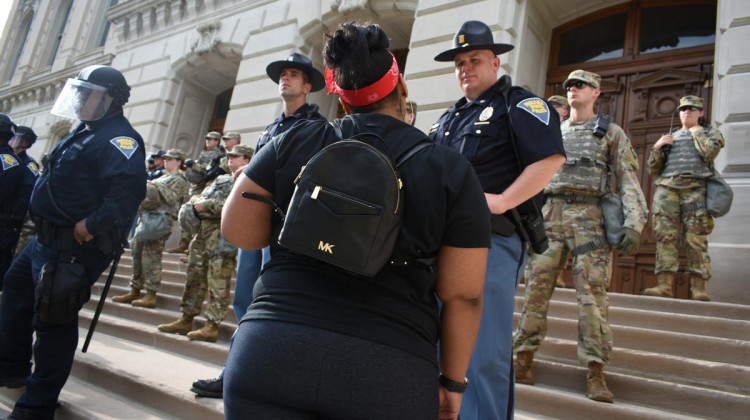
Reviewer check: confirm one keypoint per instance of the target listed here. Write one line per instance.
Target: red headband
(367, 95)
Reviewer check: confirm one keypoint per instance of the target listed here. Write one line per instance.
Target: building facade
(199, 65)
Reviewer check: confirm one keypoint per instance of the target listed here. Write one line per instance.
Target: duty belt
(48, 232)
(574, 198)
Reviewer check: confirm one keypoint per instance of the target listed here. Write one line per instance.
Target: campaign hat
(297, 61)
(473, 35)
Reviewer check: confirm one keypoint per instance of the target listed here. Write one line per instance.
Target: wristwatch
(452, 385)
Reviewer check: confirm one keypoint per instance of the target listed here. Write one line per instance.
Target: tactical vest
(586, 169)
(684, 159)
(220, 190)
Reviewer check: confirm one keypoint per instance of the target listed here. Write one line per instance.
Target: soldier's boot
(596, 386)
(560, 282)
(132, 295)
(182, 326)
(182, 247)
(663, 288)
(184, 259)
(149, 301)
(522, 366)
(209, 332)
(698, 289)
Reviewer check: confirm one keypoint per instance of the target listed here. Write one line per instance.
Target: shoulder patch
(34, 168)
(536, 107)
(126, 145)
(8, 161)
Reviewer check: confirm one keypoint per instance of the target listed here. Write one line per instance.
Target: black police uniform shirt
(97, 173)
(284, 123)
(443, 205)
(31, 164)
(479, 130)
(14, 187)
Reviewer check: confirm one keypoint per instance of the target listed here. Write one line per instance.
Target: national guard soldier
(479, 126)
(231, 139)
(158, 169)
(560, 103)
(679, 204)
(14, 195)
(574, 218)
(212, 259)
(196, 176)
(83, 203)
(164, 196)
(25, 137)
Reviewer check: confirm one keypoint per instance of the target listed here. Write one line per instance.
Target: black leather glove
(189, 163)
(630, 242)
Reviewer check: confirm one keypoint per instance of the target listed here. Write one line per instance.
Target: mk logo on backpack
(350, 194)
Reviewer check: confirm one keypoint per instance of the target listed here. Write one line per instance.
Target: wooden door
(641, 91)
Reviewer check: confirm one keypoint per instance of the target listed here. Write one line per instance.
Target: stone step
(680, 370)
(663, 321)
(633, 390)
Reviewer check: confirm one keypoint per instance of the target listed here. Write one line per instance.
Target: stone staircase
(673, 359)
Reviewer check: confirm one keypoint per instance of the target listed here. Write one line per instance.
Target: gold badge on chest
(486, 114)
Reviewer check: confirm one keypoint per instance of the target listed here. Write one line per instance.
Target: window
(60, 23)
(17, 49)
(105, 28)
(672, 27)
(599, 40)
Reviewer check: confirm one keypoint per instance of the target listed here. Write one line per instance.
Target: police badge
(486, 114)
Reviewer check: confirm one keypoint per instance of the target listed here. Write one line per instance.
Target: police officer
(14, 194)
(158, 169)
(296, 77)
(478, 126)
(25, 137)
(574, 223)
(679, 204)
(164, 196)
(212, 259)
(560, 103)
(84, 203)
(196, 175)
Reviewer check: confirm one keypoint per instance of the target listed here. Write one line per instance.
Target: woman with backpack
(319, 341)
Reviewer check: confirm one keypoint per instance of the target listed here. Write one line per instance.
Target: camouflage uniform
(195, 176)
(212, 259)
(165, 195)
(679, 200)
(574, 224)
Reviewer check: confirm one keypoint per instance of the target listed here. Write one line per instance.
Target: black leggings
(278, 370)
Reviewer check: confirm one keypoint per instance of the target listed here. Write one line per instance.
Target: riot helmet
(25, 137)
(7, 128)
(89, 96)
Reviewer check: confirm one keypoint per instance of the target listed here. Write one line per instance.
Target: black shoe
(12, 381)
(211, 388)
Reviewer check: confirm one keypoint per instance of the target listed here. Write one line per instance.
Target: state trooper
(164, 196)
(560, 103)
(14, 194)
(83, 203)
(196, 176)
(212, 259)
(25, 138)
(158, 169)
(296, 78)
(574, 222)
(478, 125)
(679, 204)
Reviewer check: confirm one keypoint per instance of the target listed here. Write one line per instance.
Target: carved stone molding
(209, 37)
(346, 6)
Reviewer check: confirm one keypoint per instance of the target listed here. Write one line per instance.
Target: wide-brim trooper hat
(297, 61)
(473, 35)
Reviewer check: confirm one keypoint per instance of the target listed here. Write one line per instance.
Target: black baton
(101, 303)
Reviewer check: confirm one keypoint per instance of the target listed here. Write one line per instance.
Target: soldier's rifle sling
(100, 305)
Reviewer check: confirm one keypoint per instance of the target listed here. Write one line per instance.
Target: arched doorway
(649, 54)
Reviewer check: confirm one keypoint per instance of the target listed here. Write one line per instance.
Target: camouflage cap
(241, 150)
(585, 76)
(691, 100)
(232, 135)
(560, 100)
(213, 135)
(175, 154)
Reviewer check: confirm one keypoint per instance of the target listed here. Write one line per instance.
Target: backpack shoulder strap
(413, 151)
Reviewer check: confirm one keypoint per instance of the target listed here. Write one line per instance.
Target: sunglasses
(690, 108)
(577, 85)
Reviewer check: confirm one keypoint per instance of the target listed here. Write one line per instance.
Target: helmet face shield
(82, 100)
